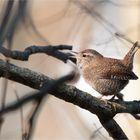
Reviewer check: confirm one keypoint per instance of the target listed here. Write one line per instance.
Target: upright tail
(128, 59)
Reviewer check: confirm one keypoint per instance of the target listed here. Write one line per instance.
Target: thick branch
(102, 108)
(114, 129)
(69, 93)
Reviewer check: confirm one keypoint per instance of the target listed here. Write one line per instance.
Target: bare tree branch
(22, 118)
(125, 38)
(114, 129)
(50, 50)
(102, 108)
(32, 118)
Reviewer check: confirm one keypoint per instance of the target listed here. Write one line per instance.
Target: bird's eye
(84, 55)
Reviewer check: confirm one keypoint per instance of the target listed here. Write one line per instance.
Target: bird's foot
(112, 98)
(100, 97)
(118, 95)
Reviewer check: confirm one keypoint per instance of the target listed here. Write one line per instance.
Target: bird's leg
(100, 97)
(120, 96)
(112, 98)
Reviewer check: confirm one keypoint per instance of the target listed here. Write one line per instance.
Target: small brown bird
(108, 76)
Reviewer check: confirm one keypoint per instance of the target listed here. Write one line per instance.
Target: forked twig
(22, 117)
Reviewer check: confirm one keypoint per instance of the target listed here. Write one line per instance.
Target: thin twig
(49, 50)
(113, 128)
(125, 38)
(32, 118)
(22, 117)
(8, 25)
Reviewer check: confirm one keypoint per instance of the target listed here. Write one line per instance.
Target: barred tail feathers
(128, 59)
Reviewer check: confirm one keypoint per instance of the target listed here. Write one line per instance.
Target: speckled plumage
(108, 76)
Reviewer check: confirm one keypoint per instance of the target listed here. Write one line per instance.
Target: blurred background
(82, 24)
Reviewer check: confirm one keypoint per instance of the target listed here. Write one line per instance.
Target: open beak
(74, 54)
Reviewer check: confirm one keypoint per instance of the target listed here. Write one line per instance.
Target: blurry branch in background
(90, 10)
(29, 22)
(13, 12)
(22, 118)
(97, 132)
(30, 121)
(123, 4)
(125, 38)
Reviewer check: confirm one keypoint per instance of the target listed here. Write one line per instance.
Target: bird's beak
(74, 54)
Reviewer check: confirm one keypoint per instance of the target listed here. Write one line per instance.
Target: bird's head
(86, 57)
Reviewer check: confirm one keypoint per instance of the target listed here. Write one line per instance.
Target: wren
(108, 76)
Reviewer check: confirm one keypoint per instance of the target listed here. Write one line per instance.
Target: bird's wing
(117, 71)
(123, 76)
